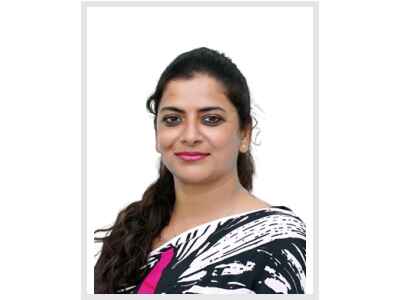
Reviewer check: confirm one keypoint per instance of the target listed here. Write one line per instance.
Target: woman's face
(198, 132)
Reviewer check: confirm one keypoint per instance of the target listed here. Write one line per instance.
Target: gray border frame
(84, 7)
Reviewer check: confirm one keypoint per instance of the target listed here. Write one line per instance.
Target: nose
(191, 134)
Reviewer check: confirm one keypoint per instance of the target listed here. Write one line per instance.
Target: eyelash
(166, 119)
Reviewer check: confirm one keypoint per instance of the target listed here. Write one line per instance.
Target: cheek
(166, 139)
(225, 142)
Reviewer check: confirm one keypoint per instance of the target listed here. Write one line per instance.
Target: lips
(191, 156)
(187, 153)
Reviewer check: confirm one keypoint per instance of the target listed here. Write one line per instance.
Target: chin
(193, 177)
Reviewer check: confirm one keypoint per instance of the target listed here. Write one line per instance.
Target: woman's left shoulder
(280, 256)
(277, 216)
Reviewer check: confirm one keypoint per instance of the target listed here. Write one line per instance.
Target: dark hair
(125, 249)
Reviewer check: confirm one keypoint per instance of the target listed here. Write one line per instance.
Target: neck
(200, 202)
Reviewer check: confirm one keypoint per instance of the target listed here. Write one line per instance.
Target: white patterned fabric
(258, 252)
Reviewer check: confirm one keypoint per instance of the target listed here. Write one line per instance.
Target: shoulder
(280, 259)
(273, 228)
(276, 222)
(265, 250)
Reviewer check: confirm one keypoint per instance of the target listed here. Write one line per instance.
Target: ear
(155, 136)
(245, 139)
(156, 142)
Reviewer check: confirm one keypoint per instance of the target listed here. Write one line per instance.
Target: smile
(191, 156)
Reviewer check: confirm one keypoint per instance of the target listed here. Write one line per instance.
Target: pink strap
(150, 282)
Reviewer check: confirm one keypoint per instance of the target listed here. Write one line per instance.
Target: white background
(125, 57)
(40, 149)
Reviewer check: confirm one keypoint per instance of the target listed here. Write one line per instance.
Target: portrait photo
(199, 148)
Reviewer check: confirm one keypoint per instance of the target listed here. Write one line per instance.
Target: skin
(207, 189)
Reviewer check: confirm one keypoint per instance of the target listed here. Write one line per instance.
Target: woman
(197, 228)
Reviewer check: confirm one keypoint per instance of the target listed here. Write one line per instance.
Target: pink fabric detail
(150, 282)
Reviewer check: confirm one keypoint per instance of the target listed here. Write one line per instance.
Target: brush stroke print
(258, 252)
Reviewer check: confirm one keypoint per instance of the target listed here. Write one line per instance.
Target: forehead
(195, 93)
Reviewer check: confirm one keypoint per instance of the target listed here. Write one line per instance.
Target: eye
(171, 120)
(213, 120)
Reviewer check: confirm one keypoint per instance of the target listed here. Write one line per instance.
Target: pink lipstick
(191, 156)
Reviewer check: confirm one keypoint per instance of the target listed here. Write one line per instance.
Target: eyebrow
(204, 109)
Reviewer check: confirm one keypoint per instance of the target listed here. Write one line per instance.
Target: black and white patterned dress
(257, 252)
